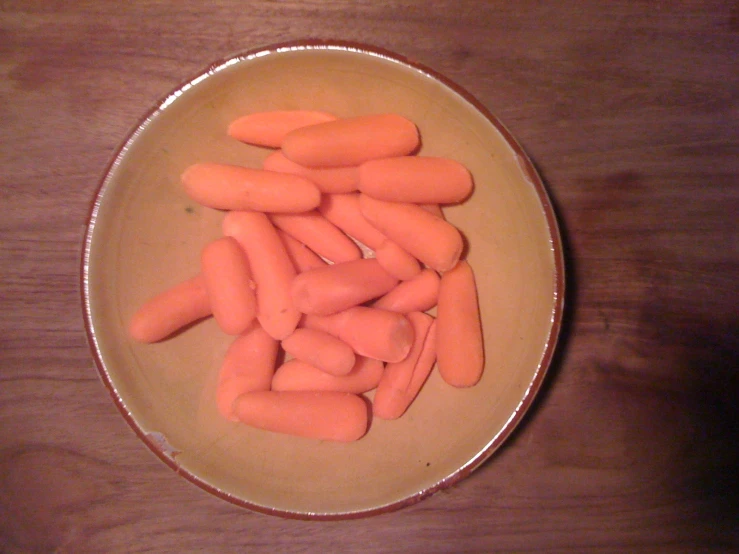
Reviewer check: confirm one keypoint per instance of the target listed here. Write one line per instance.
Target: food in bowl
(256, 292)
(145, 234)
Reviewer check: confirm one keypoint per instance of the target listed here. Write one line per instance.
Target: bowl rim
(160, 448)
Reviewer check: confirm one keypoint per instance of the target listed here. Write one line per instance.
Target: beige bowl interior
(146, 235)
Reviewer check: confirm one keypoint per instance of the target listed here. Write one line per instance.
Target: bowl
(144, 235)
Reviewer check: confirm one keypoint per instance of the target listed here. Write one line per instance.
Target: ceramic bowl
(145, 235)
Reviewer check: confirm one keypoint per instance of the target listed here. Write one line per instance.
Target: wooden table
(629, 110)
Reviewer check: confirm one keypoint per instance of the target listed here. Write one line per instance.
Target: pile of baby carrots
(288, 273)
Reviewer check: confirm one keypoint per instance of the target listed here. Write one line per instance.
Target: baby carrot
(390, 398)
(459, 344)
(396, 261)
(400, 376)
(319, 234)
(328, 180)
(228, 281)
(302, 257)
(170, 310)
(322, 350)
(269, 128)
(415, 295)
(272, 270)
(231, 187)
(324, 415)
(400, 384)
(351, 141)
(415, 179)
(336, 287)
(299, 375)
(423, 235)
(248, 365)
(343, 211)
(379, 334)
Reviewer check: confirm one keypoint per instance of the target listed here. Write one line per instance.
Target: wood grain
(629, 110)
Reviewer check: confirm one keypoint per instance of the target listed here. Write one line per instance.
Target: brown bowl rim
(526, 165)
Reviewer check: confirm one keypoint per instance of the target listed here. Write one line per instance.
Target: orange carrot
(351, 141)
(423, 235)
(400, 376)
(319, 234)
(248, 365)
(299, 375)
(269, 128)
(328, 180)
(433, 209)
(326, 352)
(396, 261)
(459, 344)
(170, 310)
(302, 257)
(232, 187)
(337, 287)
(379, 334)
(230, 288)
(401, 382)
(325, 415)
(415, 295)
(272, 270)
(343, 211)
(418, 179)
